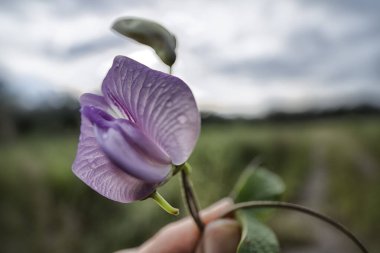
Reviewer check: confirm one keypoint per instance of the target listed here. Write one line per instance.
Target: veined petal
(89, 99)
(129, 148)
(94, 168)
(161, 105)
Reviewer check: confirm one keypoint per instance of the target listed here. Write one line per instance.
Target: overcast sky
(244, 57)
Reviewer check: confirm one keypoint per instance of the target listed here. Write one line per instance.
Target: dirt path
(327, 239)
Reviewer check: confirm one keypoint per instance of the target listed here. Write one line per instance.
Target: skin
(220, 235)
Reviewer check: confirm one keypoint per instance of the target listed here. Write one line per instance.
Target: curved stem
(191, 200)
(285, 205)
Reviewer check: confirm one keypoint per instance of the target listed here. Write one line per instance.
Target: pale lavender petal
(97, 101)
(94, 168)
(128, 148)
(161, 105)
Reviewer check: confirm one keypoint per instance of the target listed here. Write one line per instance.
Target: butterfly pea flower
(131, 135)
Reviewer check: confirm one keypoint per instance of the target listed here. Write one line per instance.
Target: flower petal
(161, 105)
(128, 148)
(93, 100)
(94, 168)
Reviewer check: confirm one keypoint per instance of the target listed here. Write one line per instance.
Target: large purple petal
(94, 168)
(161, 105)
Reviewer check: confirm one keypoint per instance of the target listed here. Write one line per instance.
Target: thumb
(220, 236)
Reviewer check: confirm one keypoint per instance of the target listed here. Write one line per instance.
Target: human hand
(219, 236)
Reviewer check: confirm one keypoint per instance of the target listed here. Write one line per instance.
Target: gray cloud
(311, 53)
(367, 8)
(72, 8)
(86, 48)
(241, 57)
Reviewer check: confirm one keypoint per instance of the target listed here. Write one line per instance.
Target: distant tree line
(359, 110)
(16, 119)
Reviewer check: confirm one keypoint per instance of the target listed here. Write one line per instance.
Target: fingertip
(221, 236)
(216, 210)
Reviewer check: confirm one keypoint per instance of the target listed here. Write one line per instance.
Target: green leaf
(258, 184)
(256, 237)
(149, 33)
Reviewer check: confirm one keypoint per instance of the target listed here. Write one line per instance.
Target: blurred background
(295, 83)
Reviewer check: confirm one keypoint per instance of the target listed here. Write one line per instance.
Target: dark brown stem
(191, 201)
(285, 205)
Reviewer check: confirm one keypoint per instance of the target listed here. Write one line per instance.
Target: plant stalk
(191, 201)
(302, 209)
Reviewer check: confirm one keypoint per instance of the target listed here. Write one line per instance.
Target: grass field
(332, 165)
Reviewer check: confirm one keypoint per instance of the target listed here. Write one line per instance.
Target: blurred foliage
(44, 208)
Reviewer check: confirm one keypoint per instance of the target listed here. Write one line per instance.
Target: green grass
(44, 208)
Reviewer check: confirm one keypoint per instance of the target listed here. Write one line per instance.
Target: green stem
(190, 198)
(285, 205)
(164, 204)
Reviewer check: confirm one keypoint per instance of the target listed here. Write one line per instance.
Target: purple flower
(145, 122)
